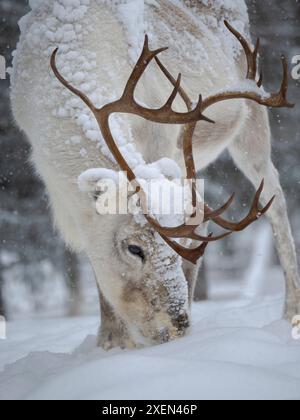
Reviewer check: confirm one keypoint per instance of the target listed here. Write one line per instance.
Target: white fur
(98, 42)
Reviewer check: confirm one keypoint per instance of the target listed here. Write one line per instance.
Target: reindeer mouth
(182, 323)
(163, 336)
(178, 329)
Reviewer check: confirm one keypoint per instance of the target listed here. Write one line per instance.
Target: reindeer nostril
(165, 336)
(181, 322)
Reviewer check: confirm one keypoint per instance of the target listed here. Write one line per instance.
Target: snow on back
(59, 23)
(131, 15)
(211, 14)
(61, 27)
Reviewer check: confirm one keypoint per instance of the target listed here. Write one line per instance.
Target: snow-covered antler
(165, 115)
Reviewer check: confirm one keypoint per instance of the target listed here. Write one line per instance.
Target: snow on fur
(63, 30)
(66, 24)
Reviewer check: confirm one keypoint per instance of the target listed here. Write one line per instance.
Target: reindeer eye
(137, 251)
(95, 195)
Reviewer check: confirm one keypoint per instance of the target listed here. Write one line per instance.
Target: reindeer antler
(274, 100)
(165, 115)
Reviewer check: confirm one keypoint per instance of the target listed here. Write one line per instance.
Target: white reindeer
(145, 288)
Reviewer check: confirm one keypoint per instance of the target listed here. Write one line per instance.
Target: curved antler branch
(251, 56)
(165, 115)
(273, 100)
(65, 83)
(254, 214)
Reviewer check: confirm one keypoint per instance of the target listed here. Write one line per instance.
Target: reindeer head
(151, 294)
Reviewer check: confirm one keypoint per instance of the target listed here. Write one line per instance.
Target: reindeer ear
(96, 182)
(90, 180)
(109, 190)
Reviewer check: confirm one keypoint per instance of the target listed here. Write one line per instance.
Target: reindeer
(146, 272)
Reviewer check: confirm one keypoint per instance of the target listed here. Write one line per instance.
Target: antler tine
(145, 59)
(284, 84)
(250, 55)
(254, 214)
(191, 255)
(170, 101)
(260, 80)
(280, 99)
(186, 231)
(164, 115)
(274, 100)
(181, 91)
(184, 96)
(209, 214)
(64, 82)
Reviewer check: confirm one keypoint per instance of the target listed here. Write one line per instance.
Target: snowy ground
(237, 347)
(235, 350)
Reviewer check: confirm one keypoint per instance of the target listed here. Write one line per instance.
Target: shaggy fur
(142, 302)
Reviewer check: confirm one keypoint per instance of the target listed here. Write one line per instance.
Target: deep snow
(235, 350)
(229, 354)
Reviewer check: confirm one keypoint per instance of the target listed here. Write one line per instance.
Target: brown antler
(166, 115)
(214, 215)
(275, 100)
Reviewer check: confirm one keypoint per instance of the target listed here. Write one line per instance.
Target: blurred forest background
(37, 273)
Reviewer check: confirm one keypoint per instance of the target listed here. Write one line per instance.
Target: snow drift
(234, 351)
